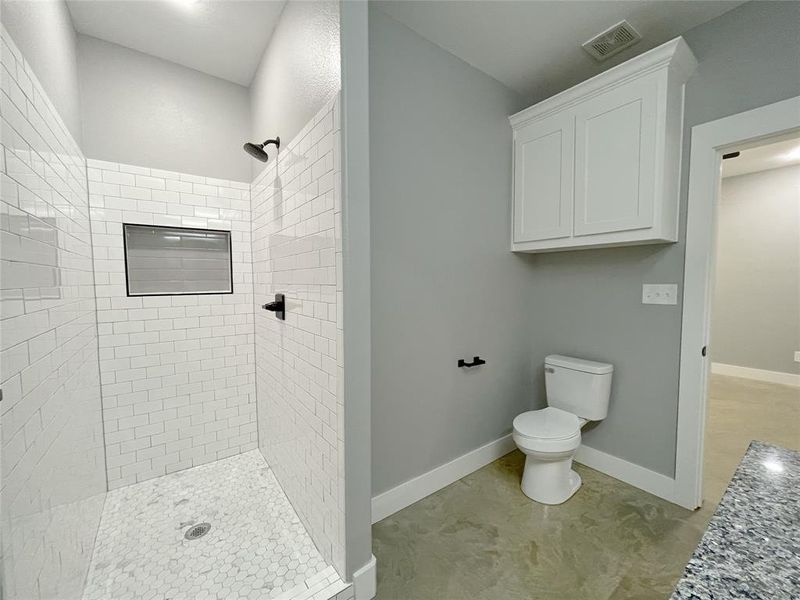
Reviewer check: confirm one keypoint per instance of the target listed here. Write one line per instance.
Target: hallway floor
(481, 538)
(256, 548)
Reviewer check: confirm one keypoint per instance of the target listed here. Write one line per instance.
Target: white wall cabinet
(599, 164)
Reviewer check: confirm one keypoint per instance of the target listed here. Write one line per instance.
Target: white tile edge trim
(757, 374)
(413, 490)
(406, 494)
(365, 580)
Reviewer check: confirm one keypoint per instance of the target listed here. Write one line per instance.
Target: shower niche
(167, 261)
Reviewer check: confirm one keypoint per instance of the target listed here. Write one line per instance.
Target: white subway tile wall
(53, 470)
(296, 209)
(177, 372)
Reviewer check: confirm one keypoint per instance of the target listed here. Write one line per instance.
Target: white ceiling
(762, 158)
(222, 38)
(534, 47)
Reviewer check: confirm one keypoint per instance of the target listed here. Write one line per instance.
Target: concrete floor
(482, 539)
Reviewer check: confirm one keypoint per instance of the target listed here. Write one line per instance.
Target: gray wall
(356, 258)
(444, 284)
(44, 34)
(142, 110)
(299, 72)
(589, 302)
(755, 317)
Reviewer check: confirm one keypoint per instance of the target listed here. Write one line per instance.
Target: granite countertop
(751, 549)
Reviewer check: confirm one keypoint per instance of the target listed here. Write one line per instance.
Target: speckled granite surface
(751, 549)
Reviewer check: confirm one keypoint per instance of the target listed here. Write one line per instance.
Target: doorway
(697, 400)
(753, 389)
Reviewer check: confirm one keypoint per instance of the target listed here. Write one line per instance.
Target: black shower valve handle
(278, 306)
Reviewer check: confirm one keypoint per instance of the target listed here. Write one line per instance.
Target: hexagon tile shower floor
(220, 530)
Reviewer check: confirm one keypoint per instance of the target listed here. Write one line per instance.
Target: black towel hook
(476, 362)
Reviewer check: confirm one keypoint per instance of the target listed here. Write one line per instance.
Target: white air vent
(613, 40)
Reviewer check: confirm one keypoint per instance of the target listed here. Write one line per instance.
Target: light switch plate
(797, 356)
(660, 293)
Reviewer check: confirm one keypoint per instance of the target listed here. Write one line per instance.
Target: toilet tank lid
(578, 364)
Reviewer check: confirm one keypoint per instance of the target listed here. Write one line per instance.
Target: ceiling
(225, 39)
(762, 158)
(534, 47)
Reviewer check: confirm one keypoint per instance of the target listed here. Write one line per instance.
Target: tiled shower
(128, 421)
(178, 372)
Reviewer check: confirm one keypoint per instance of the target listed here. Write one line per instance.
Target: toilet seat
(547, 424)
(547, 430)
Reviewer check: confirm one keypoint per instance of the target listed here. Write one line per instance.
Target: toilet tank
(582, 387)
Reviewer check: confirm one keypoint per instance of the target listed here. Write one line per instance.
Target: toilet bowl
(577, 391)
(549, 439)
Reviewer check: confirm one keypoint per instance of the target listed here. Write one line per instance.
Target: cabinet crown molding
(674, 55)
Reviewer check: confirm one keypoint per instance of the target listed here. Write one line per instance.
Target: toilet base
(549, 482)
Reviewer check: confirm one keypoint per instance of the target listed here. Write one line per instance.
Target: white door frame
(709, 141)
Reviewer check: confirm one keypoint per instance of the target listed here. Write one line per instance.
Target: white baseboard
(365, 580)
(416, 489)
(406, 494)
(757, 374)
(635, 475)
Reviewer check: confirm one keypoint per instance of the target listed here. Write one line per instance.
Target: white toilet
(577, 392)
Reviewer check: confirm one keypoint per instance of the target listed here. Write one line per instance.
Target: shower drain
(197, 531)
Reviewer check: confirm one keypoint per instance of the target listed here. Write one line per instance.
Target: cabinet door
(543, 171)
(615, 158)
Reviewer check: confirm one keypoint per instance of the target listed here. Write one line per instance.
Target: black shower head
(257, 150)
